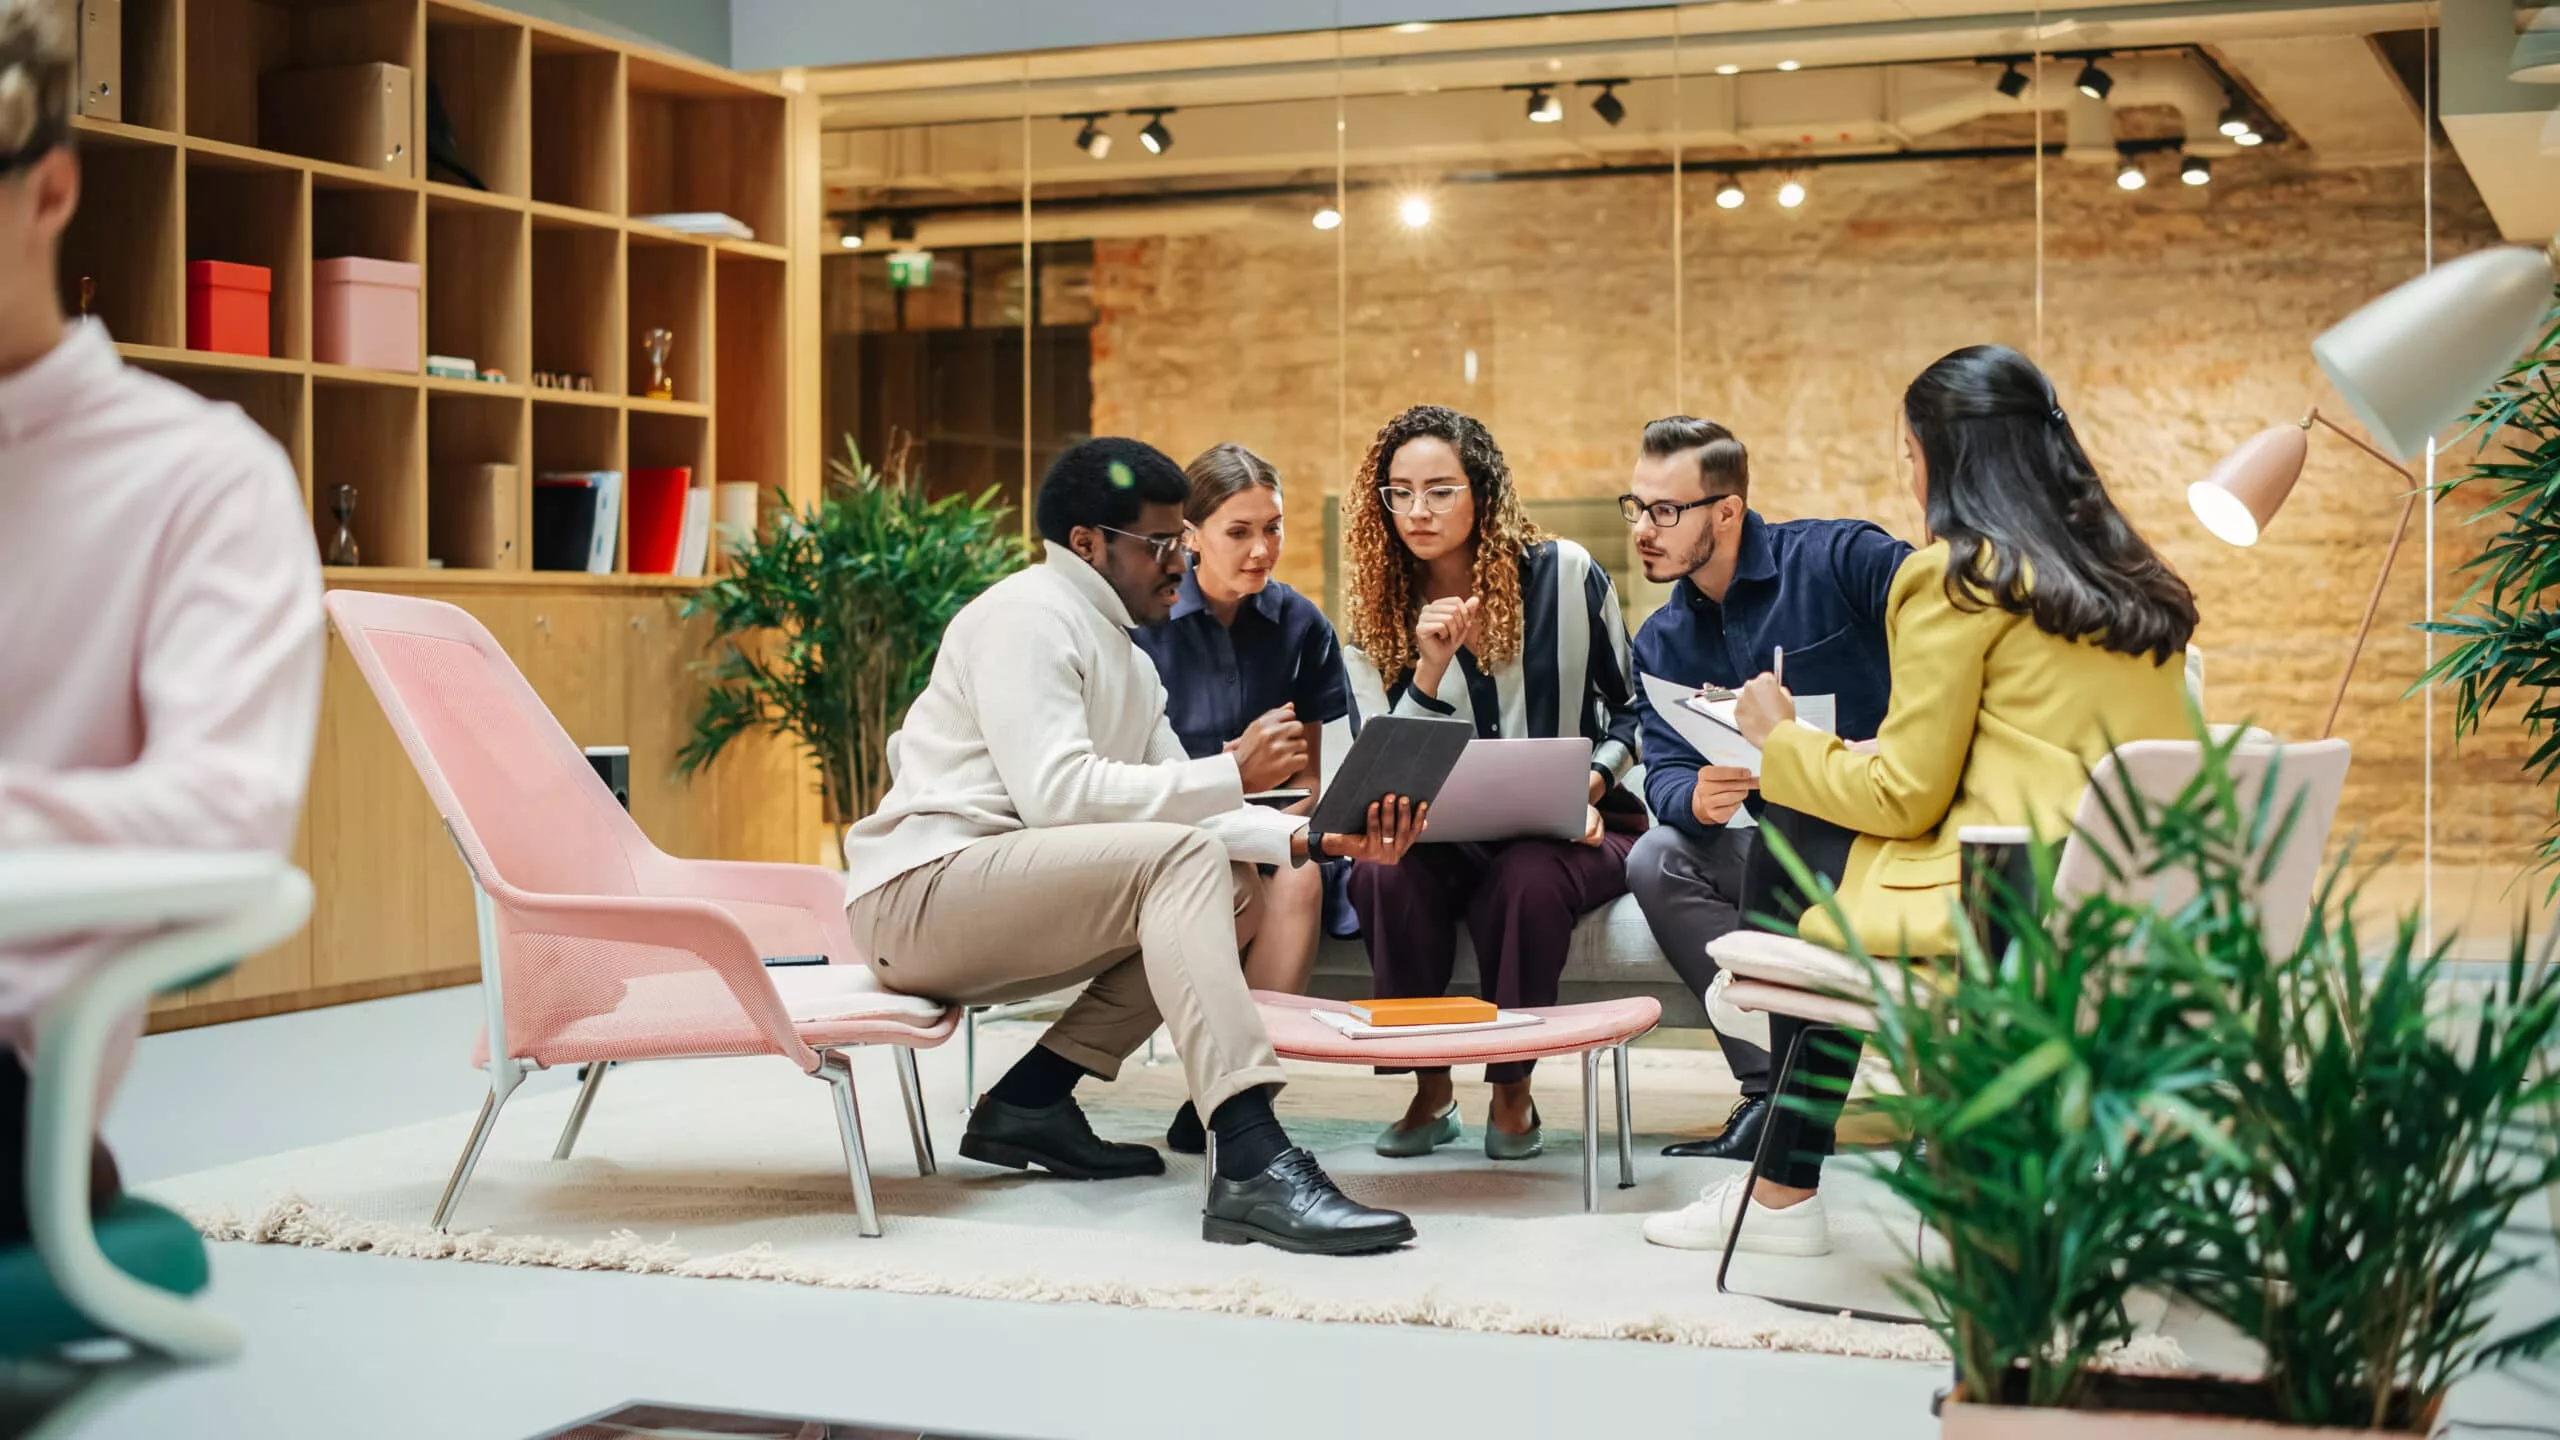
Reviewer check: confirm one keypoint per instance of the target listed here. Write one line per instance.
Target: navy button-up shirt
(1218, 678)
(1816, 588)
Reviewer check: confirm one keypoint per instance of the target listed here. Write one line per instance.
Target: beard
(1698, 557)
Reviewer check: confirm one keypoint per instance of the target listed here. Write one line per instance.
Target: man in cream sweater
(1044, 827)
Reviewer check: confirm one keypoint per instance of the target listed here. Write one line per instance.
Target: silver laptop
(1514, 789)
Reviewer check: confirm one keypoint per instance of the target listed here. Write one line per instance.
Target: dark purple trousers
(1519, 900)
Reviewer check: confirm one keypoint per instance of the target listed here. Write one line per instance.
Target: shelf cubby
(751, 368)
(481, 68)
(670, 289)
(478, 430)
(698, 145)
(377, 224)
(577, 122)
(367, 436)
(234, 45)
(663, 440)
(127, 237)
(575, 437)
(151, 61)
(477, 300)
(257, 214)
(578, 304)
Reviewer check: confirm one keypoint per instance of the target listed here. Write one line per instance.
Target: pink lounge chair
(596, 946)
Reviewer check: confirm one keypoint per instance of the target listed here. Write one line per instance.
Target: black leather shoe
(1057, 1138)
(1293, 1205)
(1740, 1138)
(1186, 1135)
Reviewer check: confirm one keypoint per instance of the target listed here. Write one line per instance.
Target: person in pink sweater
(161, 650)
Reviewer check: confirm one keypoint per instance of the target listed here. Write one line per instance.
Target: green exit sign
(911, 269)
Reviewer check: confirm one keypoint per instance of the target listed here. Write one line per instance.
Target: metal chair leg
(969, 1058)
(911, 1085)
(470, 1160)
(578, 1109)
(836, 1069)
(1590, 1131)
(1626, 1123)
(1759, 1159)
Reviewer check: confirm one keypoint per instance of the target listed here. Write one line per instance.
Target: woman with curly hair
(1460, 608)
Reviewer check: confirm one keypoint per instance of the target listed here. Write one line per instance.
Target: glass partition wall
(1570, 225)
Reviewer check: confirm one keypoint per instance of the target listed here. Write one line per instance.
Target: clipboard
(1404, 755)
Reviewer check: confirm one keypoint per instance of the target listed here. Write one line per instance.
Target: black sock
(1185, 1133)
(1041, 1078)
(1249, 1135)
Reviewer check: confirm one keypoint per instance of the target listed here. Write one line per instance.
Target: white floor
(352, 1345)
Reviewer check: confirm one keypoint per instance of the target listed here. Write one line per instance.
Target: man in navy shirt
(1744, 589)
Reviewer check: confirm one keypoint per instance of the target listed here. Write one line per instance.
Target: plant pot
(2142, 1407)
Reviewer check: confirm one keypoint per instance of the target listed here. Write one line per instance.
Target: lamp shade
(2239, 496)
(2411, 362)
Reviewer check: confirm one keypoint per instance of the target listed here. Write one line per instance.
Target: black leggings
(1797, 1142)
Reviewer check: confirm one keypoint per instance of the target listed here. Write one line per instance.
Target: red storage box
(365, 312)
(227, 307)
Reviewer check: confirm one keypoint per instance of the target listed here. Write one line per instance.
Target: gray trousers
(1691, 893)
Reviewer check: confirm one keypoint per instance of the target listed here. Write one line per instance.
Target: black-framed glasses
(1433, 499)
(1663, 513)
(1164, 546)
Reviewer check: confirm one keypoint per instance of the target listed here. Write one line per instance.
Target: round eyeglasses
(1433, 500)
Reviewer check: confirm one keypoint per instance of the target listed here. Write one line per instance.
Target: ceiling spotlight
(1788, 65)
(2094, 82)
(1544, 107)
(1728, 69)
(2012, 82)
(1155, 137)
(851, 240)
(1791, 192)
(2235, 121)
(2248, 137)
(1327, 218)
(1607, 105)
(1091, 139)
(2129, 175)
(1414, 211)
(1729, 194)
(902, 231)
(2196, 170)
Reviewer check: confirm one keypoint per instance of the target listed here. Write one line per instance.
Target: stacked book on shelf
(577, 517)
(701, 222)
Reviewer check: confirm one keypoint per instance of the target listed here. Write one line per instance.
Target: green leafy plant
(826, 630)
(2506, 627)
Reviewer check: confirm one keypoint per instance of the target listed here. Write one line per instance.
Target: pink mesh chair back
(545, 838)
(2312, 775)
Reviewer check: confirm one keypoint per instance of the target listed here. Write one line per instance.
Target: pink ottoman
(1583, 1030)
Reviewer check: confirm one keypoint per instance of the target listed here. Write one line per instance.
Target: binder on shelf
(608, 532)
(576, 520)
(694, 554)
(658, 495)
(101, 44)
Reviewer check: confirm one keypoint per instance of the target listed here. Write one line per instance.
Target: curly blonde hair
(37, 61)
(1383, 580)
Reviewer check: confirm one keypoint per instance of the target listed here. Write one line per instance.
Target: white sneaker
(1800, 1229)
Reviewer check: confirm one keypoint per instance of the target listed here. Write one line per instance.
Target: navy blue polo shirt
(1219, 678)
(1817, 588)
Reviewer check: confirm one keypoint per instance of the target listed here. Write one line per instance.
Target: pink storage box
(365, 312)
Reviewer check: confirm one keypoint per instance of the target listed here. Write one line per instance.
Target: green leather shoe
(1528, 1145)
(1401, 1144)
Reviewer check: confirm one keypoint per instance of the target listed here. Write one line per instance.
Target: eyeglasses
(1163, 545)
(1435, 500)
(1663, 513)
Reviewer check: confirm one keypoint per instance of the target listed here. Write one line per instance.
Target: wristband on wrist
(1315, 844)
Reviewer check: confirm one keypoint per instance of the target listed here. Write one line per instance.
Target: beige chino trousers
(1153, 916)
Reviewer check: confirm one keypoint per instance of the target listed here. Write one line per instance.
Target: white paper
(1349, 1024)
(1709, 727)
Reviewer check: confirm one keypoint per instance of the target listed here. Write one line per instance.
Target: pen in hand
(1778, 664)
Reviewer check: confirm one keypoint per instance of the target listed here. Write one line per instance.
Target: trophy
(658, 341)
(342, 546)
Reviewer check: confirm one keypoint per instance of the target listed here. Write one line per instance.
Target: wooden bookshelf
(573, 137)
(547, 268)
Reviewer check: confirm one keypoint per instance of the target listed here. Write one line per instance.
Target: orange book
(1433, 1010)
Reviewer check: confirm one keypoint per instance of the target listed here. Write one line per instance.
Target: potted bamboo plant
(2322, 1147)
(826, 628)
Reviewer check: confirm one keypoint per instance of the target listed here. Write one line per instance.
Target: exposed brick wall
(2176, 322)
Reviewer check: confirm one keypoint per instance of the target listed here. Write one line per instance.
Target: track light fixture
(2092, 81)
(1729, 194)
(850, 240)
(1728, 69)
(1091, 139)
(2248, 137)
(2235, 121)
(1544, 107)
(1327, 218)
(1155, 137)
(902, 231)
(1790, 65)
(1791, 190)
(1606, 104)
(1414, 211)
(2012, 82)
(2129, 175)
(2195, 170)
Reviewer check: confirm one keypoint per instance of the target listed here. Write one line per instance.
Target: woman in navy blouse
(1243, 650)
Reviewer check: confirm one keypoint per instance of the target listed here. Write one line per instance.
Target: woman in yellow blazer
(2034, 633)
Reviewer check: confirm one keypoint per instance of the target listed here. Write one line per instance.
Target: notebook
(1349, 1025)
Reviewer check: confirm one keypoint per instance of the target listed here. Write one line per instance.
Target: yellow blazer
(1992, 722)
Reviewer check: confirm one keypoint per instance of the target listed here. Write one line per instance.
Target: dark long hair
(2027, 521)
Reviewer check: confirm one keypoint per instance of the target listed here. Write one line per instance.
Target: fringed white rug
(731, 1169)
